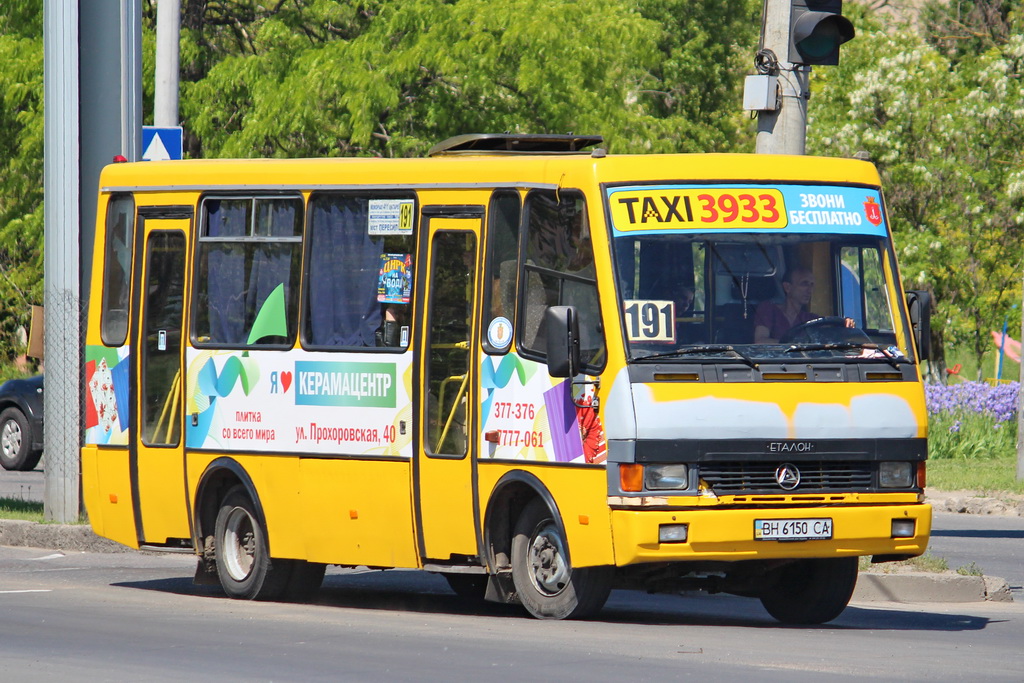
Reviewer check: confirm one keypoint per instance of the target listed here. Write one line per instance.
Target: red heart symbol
(286, 381)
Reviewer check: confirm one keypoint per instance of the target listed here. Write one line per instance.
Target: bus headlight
(663, 477)
(895, 475)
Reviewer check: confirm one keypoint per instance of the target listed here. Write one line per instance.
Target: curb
(73, 537)
(871, 586)
(930, 587)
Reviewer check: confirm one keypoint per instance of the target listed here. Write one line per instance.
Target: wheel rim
(549, 571)
(10, 439)
(239, 543)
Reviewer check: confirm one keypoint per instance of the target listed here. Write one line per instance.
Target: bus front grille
(732, 478)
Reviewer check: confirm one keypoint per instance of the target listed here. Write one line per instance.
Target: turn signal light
(922, 471)
(631, 477)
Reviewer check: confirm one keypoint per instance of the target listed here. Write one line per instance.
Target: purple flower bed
(973, 398)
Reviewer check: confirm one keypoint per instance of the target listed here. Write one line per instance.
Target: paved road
(138, 617)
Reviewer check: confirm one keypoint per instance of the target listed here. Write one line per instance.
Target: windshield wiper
(891, 357)
(704, 348)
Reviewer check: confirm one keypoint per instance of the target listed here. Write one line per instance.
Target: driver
(772, 321)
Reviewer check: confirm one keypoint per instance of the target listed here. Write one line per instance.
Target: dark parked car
(21, 423)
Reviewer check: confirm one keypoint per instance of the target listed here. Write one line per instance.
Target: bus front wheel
(811, 591)
(546, 583)
(243, 559)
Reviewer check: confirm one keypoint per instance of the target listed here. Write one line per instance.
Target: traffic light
(816, 30)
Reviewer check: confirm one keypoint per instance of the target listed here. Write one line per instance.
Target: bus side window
(247, 277)
(117, 269)
(502, 265)
(559, 270)
(359, 271)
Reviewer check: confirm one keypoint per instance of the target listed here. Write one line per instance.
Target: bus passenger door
(156, 447)
(445, 461)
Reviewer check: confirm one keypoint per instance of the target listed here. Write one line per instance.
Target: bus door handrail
(169, 410)
(455, 405)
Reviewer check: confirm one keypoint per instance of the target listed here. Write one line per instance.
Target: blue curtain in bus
(272, 262)
(239, 276)
(343, 271)
(225, 271)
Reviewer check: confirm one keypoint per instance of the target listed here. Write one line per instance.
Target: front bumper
(728, 534)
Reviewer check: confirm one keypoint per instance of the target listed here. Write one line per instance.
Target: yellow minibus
(536, 368)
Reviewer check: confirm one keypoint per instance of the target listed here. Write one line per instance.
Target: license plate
(792, 529)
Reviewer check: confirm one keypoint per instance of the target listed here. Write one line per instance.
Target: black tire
(811, 591)
(546, 583)
(16, 441)
(32, 460)
(304, 579)
(243, 560)
(469, 587)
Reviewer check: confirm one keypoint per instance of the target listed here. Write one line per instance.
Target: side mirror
(563, 340)
(919, 305)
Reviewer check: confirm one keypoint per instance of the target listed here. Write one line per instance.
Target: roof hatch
(514, 143)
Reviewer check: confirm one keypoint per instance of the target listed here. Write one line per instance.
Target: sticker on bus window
(699, 207)
(394, 282)
(650, 320)
(499, 333)
(390, 217)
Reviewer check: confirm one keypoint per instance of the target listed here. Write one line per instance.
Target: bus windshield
(802, 290)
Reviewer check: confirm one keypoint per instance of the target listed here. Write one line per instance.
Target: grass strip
(15, 508)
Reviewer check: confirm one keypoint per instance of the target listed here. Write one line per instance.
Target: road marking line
(35, 590)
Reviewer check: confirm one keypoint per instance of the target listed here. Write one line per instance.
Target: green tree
(419, 71)
(969, 27)
(394, 78)
(692, 97)
(21, 169)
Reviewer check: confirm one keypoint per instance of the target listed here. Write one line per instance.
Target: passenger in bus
(772, 321)
(389, 332)
(684, 303)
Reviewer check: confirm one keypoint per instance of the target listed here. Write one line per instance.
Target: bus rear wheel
(243, 559)
(811, 591)
(548, 586)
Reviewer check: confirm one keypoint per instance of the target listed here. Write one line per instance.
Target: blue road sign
(161, 143)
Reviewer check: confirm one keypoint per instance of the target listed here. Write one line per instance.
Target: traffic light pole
(783, 130)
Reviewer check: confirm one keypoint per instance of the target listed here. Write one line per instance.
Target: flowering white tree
(947, 132)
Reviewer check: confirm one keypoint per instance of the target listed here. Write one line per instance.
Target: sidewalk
(969, 502)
